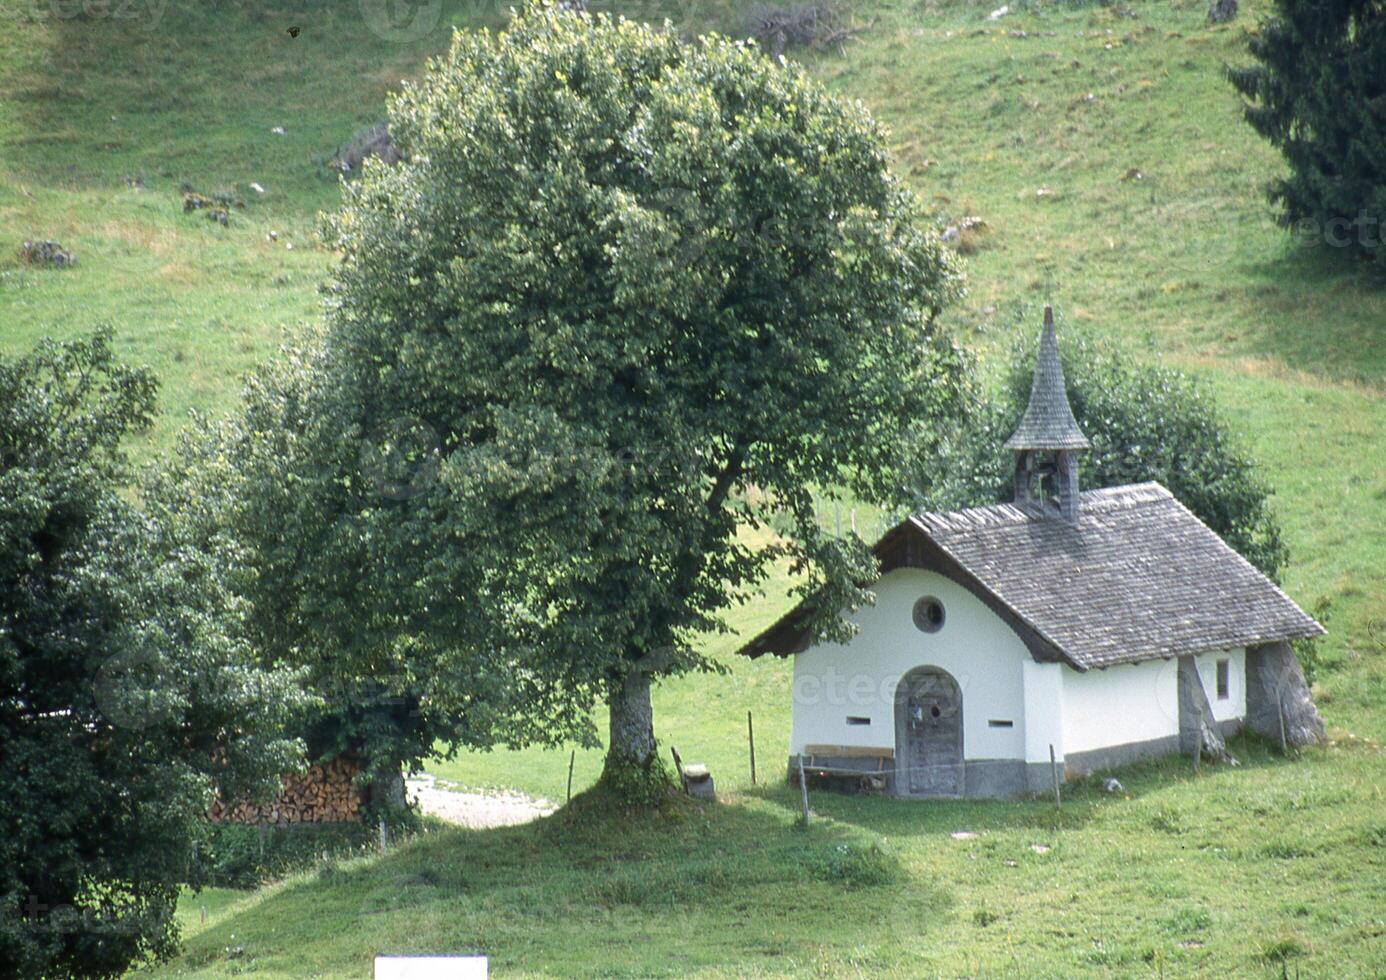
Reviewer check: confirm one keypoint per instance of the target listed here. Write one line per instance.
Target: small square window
(1224, 679)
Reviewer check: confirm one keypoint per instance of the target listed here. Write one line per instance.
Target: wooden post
(1198, 748)
(1054, 775)
(572, 757)
(803, 790)
(678, 766)
(384, 835)
(751, 738)
(1280, 710)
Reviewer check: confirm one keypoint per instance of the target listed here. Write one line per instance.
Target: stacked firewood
(325, 793)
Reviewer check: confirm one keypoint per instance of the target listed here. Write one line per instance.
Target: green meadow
(1105, 155)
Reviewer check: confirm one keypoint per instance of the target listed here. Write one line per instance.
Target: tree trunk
(632, 723)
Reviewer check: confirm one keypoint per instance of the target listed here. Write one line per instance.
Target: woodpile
(325, 793)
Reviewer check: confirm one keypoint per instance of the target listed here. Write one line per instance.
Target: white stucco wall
(1139, 702)
(1048, 704)
(983, 654)
(1044, 710)
(1119, 705)
(1234, 706)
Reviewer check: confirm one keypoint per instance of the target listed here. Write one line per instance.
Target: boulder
(46, 253)
(373, 141)
(1221, 11)
(1275, 687)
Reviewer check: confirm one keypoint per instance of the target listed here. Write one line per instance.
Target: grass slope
(103, 117)
(1239, 872)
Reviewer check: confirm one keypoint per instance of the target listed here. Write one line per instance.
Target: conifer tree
(1318, 93)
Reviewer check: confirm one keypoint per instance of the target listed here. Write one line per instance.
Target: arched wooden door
(928, 734)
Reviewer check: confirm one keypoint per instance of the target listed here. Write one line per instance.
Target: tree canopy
(126, 693)
(625, 297)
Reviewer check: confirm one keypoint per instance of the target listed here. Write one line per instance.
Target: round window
(928, 614)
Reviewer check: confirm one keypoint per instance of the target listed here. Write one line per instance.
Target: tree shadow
(1319, 309)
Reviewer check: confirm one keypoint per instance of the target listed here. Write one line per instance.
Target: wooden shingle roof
(1139, 577)
(1048, 422)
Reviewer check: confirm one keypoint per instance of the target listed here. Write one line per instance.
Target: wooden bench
(884, 756)
(851, 751)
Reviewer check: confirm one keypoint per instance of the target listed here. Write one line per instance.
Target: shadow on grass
(1344, 295)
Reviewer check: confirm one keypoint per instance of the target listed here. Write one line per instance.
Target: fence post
(803, 790)
(1054, 775)
(751, 738)
(571, 757)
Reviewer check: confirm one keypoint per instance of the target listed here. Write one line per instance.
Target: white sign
(430, 968)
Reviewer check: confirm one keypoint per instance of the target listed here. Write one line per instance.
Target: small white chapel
(1067, 632)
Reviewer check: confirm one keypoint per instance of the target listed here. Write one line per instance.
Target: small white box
(430, 968)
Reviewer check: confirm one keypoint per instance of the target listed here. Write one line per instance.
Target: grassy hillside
(1238, 873)
(1030, 123)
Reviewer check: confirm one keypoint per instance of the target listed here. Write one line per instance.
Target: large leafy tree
(626, 297)
(329, 528)
(1319, 95)
(125, 693)
(1146, 421)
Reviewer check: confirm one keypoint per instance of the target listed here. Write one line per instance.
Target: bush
(231, 855)
(126, 687)
(1309, 651)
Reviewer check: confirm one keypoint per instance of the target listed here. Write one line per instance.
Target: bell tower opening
(1047, 441)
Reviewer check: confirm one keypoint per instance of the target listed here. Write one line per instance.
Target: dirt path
(475, 810)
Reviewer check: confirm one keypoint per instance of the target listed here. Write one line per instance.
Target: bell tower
(1048, 439)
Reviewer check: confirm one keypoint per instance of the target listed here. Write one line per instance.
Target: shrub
(232, 855)
(128, 691)
(1309, 651)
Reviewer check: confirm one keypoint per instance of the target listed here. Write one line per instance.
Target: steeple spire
(1048, 437)
(1048, 421)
